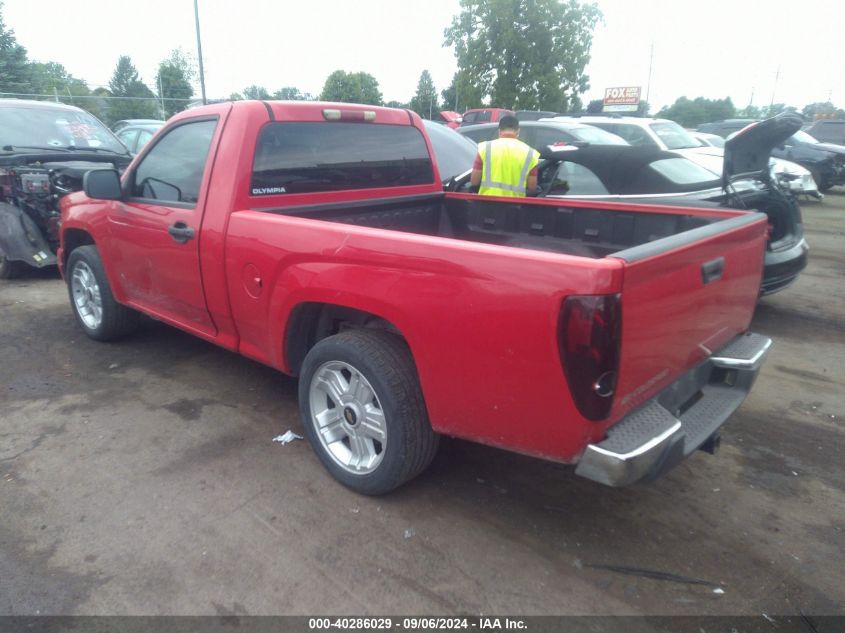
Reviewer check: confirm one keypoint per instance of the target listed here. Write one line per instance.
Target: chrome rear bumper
(672, 425)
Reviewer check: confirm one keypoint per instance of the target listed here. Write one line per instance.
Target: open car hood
(747, 153)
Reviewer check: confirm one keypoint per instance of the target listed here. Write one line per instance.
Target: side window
(172, 171)
(550, 137)
(470, 117)
(484, 117)
(576, 180)
(144, 137)
(484, 134)
(634, 135)
(127, 137)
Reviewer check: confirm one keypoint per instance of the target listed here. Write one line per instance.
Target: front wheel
(99, 315)
(363, 410)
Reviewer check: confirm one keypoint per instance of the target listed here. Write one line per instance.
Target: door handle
(712, 270)
(181, 232)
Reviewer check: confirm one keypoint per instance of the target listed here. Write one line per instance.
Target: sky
(754, 52)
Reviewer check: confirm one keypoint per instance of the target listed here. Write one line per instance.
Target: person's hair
(509, 122)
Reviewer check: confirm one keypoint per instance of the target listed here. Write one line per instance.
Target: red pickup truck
(317, 239)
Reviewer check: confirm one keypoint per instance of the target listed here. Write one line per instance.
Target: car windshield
(596, 136)
(454, 153)
(54, 127)
(673, 135)
(803, 137)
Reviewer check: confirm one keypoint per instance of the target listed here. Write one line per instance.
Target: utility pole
(161, 97)
(199, 52)
(774, 88)
(650, 64)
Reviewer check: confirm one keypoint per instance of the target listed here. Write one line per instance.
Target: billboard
(621, 99)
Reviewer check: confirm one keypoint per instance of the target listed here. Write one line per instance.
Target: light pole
(199, 52)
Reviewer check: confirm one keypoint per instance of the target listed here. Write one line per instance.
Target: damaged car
(45, 150)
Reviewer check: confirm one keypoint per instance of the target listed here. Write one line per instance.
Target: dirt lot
(140, 478)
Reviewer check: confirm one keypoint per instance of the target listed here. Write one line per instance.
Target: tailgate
(683, 297)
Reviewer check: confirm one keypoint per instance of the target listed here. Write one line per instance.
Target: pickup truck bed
(586, 231)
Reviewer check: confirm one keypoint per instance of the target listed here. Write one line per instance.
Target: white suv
(661, 133)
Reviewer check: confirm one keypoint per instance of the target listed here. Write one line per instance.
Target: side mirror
(102, 184)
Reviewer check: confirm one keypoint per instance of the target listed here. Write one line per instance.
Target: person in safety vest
(505, 166)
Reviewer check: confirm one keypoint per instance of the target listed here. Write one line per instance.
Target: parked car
(46, 149)
(725, 127)
(659, 133)
(483, 115)
(317, 238)
(119, 125)
(790, 176)
(825, 161)
(534, 115)
(137, 135)
(450, 119)
(539, 134)
(707, 140)
(649, 175)
(828, 131)
(452, 151)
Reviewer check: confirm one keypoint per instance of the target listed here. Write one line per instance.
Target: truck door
(154, 232)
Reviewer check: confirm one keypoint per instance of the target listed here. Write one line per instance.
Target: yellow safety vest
(506, 165)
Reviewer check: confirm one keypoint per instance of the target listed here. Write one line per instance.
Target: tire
(11, 269)
(821, 185)
(96, 311)
(363, 410)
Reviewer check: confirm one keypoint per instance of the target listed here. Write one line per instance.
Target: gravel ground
(140, 478)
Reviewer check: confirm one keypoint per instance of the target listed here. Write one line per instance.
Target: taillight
(349, 115)
(589, 336)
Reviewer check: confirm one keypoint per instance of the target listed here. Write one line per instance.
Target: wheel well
(309, 323)
(73, 239)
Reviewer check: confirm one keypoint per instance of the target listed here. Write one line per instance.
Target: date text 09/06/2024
(417, 623)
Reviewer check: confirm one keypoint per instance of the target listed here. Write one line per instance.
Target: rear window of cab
(306, 157)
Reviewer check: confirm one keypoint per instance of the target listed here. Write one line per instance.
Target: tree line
(517, 54)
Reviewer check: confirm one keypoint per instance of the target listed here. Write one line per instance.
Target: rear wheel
(363, 410)
(99, 315)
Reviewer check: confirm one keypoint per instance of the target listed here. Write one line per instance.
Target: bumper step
(652, 439)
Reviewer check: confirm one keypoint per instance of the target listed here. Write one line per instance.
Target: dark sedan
(825, 161)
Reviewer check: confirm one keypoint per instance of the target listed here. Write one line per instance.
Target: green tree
(750, 112)
(524, 54)
(777, 108)
(397, 104)
(173, 81)
(14, 71)
(289, 93)
(256, 92)
(425, 102)
(595, 106)
(692, 113)
(51, 78)
(135, 100)
(346, 87)
(462, 94)
(822, 110)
